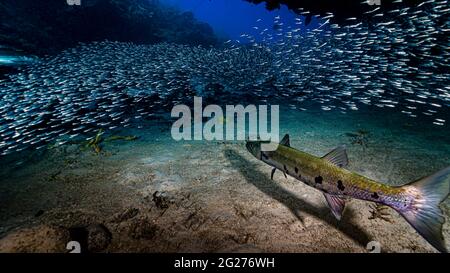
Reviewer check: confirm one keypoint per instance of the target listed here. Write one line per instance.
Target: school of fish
(401, 61)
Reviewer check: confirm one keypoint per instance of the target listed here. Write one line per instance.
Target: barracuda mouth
(249, 146)
(252, 147)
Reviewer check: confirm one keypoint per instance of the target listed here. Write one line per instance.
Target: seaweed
(127, 138)
(380, 212)
(96, 142)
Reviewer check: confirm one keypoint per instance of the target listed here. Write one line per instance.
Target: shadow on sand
(295, 204)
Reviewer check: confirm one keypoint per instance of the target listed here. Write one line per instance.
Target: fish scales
(308, 168)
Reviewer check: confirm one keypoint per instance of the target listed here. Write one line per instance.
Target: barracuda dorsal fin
(337, 157)
(285, 141)
(336, 204)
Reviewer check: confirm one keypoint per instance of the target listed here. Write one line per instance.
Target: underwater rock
(40, 239)
(342, 9)
(39, 213)
(243, 212)
(46, 27)
(143, 229)
(244, 248)
(92, 238)
(126, 215)
(242, 238)
(162, 200)
(194, 220)
(99, 237)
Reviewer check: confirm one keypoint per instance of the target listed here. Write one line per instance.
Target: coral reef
(46, 27)
(341, 9)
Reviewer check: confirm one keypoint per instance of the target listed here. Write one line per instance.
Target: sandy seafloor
(215, 196)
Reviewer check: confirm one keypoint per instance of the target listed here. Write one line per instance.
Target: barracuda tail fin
(425, 215)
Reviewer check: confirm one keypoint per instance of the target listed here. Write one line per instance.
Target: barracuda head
(254, 147)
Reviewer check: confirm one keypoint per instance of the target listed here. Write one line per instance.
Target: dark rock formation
(38, 239)
(92, 238)
(342, 9)
(99, 238)
(162, 200)
(45, 27)
(143, 229)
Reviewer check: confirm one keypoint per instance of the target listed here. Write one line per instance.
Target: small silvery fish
(418, 202)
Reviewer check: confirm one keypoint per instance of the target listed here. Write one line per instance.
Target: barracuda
(418, 202)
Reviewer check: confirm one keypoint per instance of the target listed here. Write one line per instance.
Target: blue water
(231, 18)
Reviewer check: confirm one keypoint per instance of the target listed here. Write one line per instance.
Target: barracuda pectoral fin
(337, 157)
(273, 172)
(336, 204)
